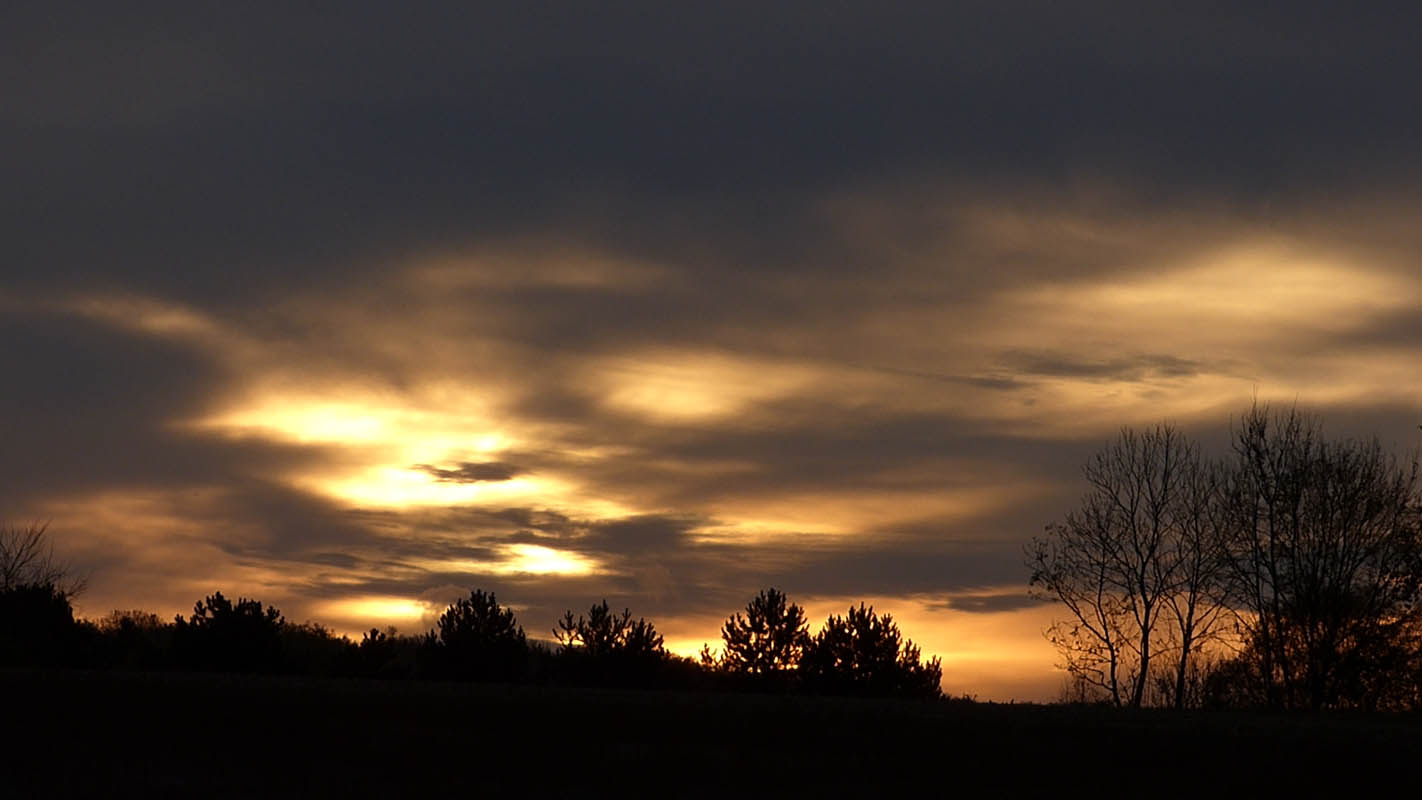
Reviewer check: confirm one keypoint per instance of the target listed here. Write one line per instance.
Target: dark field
(107, 734)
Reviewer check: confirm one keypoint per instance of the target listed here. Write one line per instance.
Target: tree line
(767, 648)
(1284, 574)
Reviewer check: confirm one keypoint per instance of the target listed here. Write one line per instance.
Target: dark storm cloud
(472, 472)
(205, 151)
(643, 534)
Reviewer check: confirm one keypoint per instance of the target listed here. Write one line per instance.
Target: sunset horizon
(355, 312)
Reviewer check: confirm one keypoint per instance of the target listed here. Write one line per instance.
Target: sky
(354, 307)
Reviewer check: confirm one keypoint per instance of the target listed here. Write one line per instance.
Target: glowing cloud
(1238, 297)
(693, 387)
(523, 559)
(378, 609)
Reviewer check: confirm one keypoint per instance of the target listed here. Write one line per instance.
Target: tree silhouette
(480, 640)
(863, 653)
(768, 641)
(602, 632)
(27, 559)
(1324, 564)
(1136, 566)
(608, 648)
(221, 635)
(37, 626)
(1312, 547)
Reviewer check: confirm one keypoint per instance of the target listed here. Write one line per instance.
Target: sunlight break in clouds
(383, 610)
(394, 447)
(523, 559)
(352, 415)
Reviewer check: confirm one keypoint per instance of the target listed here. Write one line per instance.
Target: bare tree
(1193, 566)
(1133, 565)
(27, 559)
(1072, 566)
(1325, 562)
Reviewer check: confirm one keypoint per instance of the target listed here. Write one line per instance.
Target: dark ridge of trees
(864, 654)
(475, 639)
(1286, 575)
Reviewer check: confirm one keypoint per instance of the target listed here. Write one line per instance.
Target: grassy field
(82, 734)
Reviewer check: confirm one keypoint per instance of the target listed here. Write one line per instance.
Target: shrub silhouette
(135, 639)
(386, 654)
(766, 644)
(313, 649)
(479, 640)
(228, 637)
(864, 654)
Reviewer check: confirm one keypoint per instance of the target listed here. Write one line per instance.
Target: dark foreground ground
(114, 734)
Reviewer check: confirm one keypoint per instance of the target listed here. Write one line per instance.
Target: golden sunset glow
(534, 559)
(1238, 299)
(390, 420)
(595, 311)
(524, 559)
(1182, 340)
(380, 609)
